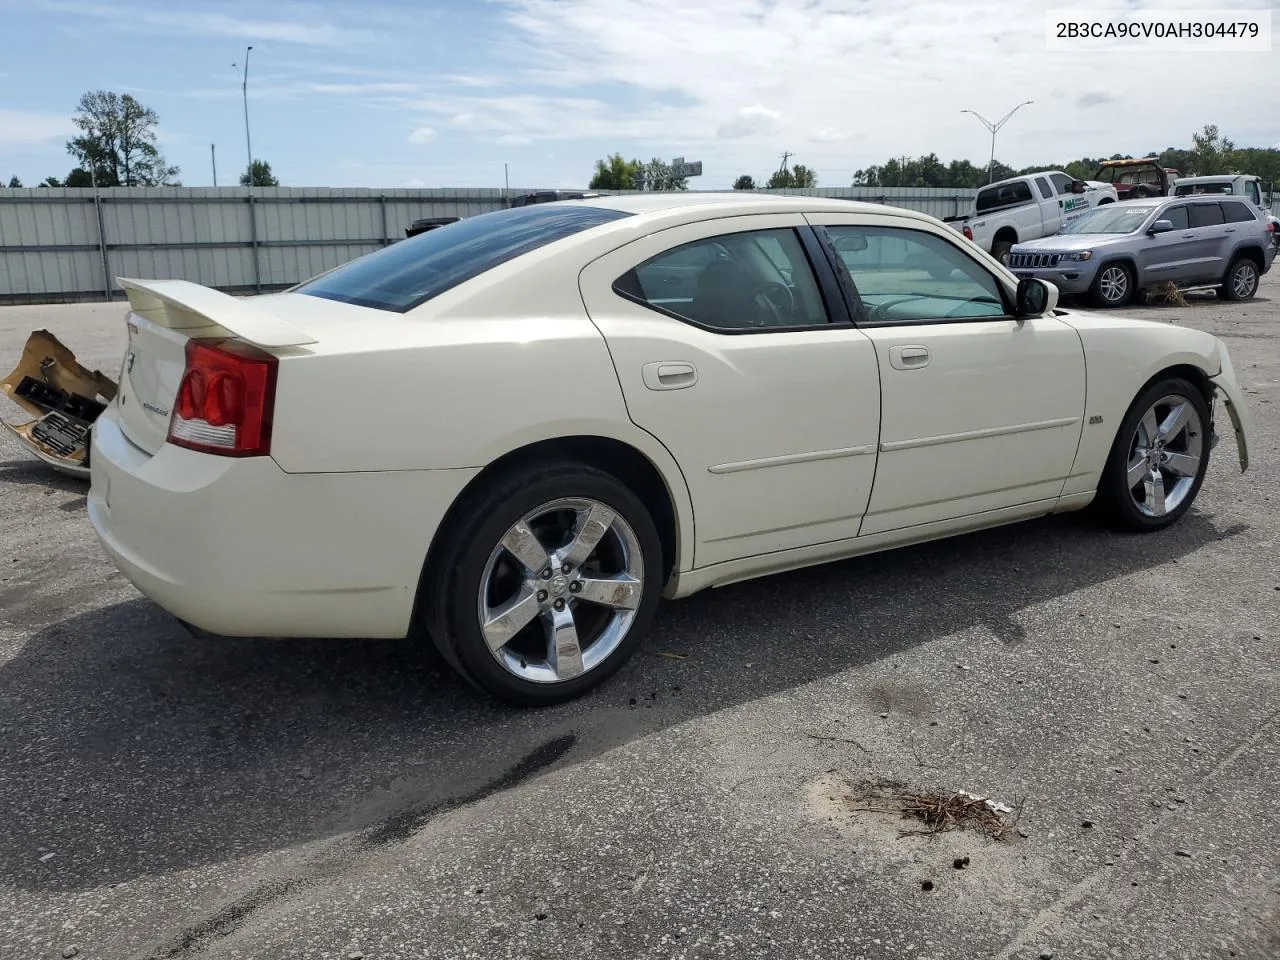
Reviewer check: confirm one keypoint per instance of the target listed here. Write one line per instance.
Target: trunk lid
(163, 316)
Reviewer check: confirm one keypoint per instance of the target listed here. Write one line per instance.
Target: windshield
(1113, 218)
(407, 274)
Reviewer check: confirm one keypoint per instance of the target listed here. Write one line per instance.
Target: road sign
(681, 169)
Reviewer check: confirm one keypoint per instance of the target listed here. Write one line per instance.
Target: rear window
(1237, 212)
(1003, 195)
(411, 272)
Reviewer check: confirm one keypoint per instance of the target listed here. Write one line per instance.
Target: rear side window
(1004, 195)
(756, 280)
(1046, 191)
(1236, 212)
(1206, 214)
(411, 272)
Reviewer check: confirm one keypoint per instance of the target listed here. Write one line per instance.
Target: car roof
(735, 203)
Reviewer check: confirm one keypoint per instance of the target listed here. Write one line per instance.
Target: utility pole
(244, 87)
(786, 155)
(994, 128)
(506, 183)
(213, 158)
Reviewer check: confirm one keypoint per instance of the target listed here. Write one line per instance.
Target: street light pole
(245, 88)
(994, 128)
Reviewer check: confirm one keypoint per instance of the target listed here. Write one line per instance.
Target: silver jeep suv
(1112, 252)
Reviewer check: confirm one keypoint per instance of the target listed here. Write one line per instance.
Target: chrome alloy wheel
(1164, 456)
(1244, 280)
(560, 591)
(1114, 284)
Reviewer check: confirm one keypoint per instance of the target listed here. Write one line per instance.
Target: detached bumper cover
(1233, 399)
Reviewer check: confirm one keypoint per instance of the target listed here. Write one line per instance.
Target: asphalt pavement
(166, 797)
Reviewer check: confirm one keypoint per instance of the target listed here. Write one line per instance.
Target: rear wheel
(1159, 457)
(547, 586)
(1113, 286)
(1241, 280)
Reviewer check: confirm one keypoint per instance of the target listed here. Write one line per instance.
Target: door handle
(908, 356)
(1188, 236)
(669, 375)
(1231, 230)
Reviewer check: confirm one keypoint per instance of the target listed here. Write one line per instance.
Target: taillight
(968, 234)
(225, 399)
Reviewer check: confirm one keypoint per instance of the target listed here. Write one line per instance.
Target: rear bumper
(238, 547)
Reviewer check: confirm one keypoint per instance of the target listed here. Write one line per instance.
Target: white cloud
(22, 126)
(893, 76)
(827, 135)
(511, 140)
(421, 135)
(752, 121)
(305, 29)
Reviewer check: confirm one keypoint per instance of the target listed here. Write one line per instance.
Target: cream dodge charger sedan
(515, 433)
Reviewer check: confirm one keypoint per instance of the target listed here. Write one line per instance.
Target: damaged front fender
(62, 396)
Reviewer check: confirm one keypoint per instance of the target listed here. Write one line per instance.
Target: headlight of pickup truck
(1078, 255)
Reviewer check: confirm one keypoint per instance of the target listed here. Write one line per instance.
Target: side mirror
(1160, 226)
(1078, 186)
(1034, 298)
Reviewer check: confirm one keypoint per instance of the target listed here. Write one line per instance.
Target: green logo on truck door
(1073, 203)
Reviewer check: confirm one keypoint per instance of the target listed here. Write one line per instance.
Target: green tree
(657, 175)
(50, 182)
(744, 182)
(1211, 153)
(80, 177)
(14, 183)
(261, 175)
(802, 176)
(615, 173)
(118, 141)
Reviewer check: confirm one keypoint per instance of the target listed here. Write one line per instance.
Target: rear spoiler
(186, 306)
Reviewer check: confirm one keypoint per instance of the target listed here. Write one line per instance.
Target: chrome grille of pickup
(1034, 259)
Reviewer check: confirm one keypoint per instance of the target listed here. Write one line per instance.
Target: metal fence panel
(60, 244)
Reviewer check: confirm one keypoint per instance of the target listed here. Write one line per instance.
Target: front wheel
(1159, 457)
(548, 585)
(1241, 280)
(1113, 286)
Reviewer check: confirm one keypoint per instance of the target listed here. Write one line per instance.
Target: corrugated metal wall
(59, 244)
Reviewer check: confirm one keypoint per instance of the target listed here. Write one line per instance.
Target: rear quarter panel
(1121, 356)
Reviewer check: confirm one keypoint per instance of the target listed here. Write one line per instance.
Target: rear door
(750, 374)
(980, 411)
(1211, 241)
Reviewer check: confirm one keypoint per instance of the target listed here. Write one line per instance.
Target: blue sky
(388, 93)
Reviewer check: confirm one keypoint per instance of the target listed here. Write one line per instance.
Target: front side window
(1206, 215)
(1177, 216)
(735, 282)
(1235, 211)
(412, 271)
(1061, 181)
(905, 275)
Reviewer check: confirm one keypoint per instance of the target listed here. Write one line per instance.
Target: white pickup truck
(1027, 208)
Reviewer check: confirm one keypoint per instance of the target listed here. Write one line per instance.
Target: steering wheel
(762, 293)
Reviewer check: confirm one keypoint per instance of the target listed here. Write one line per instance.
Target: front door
(1173, 255)
(979, 411)
(771, 409)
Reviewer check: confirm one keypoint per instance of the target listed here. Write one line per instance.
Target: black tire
(449, 609)
(1142, 192)
(1240, 282)
(1101, 293)
(1114, 500)
(1000, 247)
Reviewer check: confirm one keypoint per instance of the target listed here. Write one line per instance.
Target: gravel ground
(167, 797)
